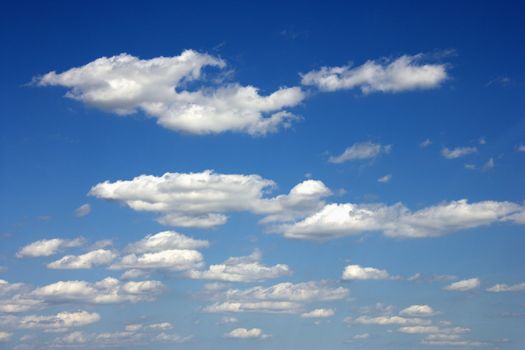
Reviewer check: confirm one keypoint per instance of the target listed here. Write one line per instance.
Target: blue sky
(265, 175)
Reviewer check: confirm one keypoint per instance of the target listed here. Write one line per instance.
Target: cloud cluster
(159, 87)
(202, 199)
(61, 321)
(84, 261)
(402, 74)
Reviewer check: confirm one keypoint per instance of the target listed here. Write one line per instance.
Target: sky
(262, 175)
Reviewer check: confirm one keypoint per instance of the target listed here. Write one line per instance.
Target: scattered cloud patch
(464, 285)
(83, 210)
(385, 179)
(356, 272)
(361, 151)
(244, 333)
(499, 288)
(457, 152)
(418, 310)
(85, 261)
(319, 313)
(48, 247)
(402, 74)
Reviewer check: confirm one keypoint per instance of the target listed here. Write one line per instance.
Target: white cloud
(125, 84)
(319, 313)
(520, 147)
(464, 285)
(83, 210)
(106, 291)
(60, 321)
(172, 259)
(5, 336)
(72, 338)
(172, 338)
(361, 336)
(490, 164)
(84, 261)
(242, 269)
(418, 310)
(228, 320)
(284, 297)
(203, 199)
(498, 288)
(356, 272)
(48, 247)
(457, 152)
(360, 151)
(404, 73)
(338, 220)
(389, 320)
(425, 143)
(385, 179)
(243, 333)
(164, 241)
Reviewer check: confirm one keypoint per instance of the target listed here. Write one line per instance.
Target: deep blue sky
(54, 149)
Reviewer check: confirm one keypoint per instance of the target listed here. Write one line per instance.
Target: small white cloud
(361, 151)
(5, 336)
(361, 336)
(403, 74)
(356, 272)
(489, 164)
(464, 285)
(166, 240)
(85, 261)
(172, 338)
(244, 333)
(385, 179)
(425, 143)
(319, 313)
(520, 147)
(498, 288)
(418, 310)
(228, 320)
(482, 141)
(389, 320)
(61, 321)
(457, 152)
(48, 247)
(83, 210)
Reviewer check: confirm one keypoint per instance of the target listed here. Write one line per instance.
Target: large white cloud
(242, 269)
(125, 84)
(48, 247)
(337, 220)
(284, 297)
(402, 74)
(84, 261)
(203, 199)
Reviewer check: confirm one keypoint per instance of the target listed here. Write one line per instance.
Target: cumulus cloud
(243, 333)
(83, 210)
(106, 291)
(171, 259)
(457, 152)
(203, 199)
(337, 220)
(464, 285)
(166, 240)
(85, 261)
(242, 269)
(318, 313)
(48, 247)
(356, 272)
(498, 288)
(402, 74)
(125, 84)
(418, 310)
(361, 151)
(60, 321)
(284, 297)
